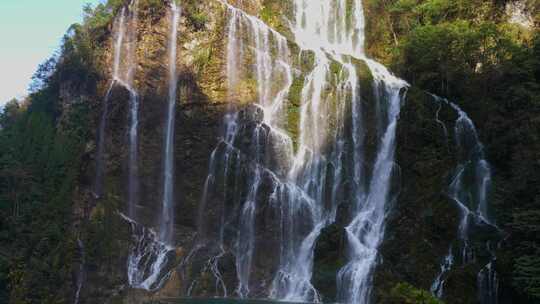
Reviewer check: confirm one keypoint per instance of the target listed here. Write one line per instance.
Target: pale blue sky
(30, 31)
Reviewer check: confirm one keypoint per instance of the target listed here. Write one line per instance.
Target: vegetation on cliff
(43, 140)
(476, 54)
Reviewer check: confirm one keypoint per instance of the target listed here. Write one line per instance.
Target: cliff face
(200, 108)
(215, 168)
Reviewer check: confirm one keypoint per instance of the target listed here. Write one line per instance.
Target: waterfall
(488, 281)
(437, 287)
(148, 262)
(488, 285)
(128, 82)
(324, 26)
(469, 189)
(366, 231)
(256, 167)
(273, 74)
(81, 273)
(100, 153)
(167, 219)
(306, 186)
(124, 68)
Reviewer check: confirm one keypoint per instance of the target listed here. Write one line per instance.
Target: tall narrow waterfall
(124, 68)
(82, 271)
(148, 255)
(148, 263)
(128, 82)
(469, 189)
(120, 26)
(167, 219)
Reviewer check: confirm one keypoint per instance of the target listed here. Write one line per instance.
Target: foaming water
(327, 28)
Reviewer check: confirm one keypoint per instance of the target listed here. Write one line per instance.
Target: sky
(30, 32)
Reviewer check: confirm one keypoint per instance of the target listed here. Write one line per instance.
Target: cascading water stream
(270, 71)
(81, 273)
(327, 28)
(437, 287)
(167, 220)
(100, 154)
(365, 233)
(148, 261)
(488, 281)
(124, 68)
(469, 190)
(128, 83)
(306, 186)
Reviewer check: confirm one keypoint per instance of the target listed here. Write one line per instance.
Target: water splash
(148, 260)
(488, 280)
(437, 288)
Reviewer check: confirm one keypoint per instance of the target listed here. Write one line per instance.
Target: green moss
(293, 110)
(404, 293)
(202, 57)
(276, 13)
(269, 16)
(364, 74)
(336, 68)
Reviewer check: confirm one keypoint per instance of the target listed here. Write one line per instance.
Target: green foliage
(199, 20)
(97, 20)
(39, 169)
(269, 16)
(404, 293)
(42, 143)
(527, 275)
(444, 57)
(467, 51)
(195, 15)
